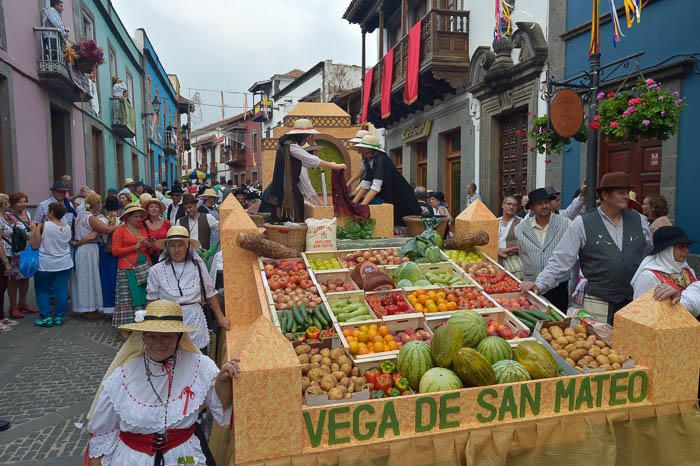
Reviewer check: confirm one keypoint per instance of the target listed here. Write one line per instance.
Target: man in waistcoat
(609, 243)
(202, 227)
(507, 243)
(538, 236)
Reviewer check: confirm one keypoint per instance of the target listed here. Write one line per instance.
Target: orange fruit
(442, 307)
(350, 339)
(442, 294)
(451, 306)
(362, 351)
(379, 347)
(378, 339)
(418, 307)
(355, 333)
(347, 332)
(430, 302)
(384, 330)
(354, 347)
(373, 327)
(422, 299)
(432, 308)
(363, 329)
(362, 338)
(432, 295)
(371, 334)
(388, 338)
(392, 346)
(420, 292)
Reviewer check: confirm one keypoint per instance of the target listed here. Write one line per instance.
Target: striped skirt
(123, 306)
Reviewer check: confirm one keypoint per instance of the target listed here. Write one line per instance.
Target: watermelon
(414, 360)
(508, 371)
(472, 368)
(447, 340)
(494, 349)
(539, 362)
(472, 326)
(438, 379)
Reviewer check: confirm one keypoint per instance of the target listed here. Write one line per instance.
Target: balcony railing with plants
(56, 70)
(123, 118)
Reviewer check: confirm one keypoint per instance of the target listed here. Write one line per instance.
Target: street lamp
(156, 108)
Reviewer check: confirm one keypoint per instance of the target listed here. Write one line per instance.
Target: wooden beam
(381, 33)
(404, 17)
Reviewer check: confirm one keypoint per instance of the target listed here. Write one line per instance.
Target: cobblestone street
(48, 378)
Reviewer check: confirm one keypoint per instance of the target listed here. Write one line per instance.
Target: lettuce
(407, 271)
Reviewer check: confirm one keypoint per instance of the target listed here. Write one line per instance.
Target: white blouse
(128, 403)
(163, 284)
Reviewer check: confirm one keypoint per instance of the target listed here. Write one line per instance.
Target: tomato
(274, 284)
(403, 306)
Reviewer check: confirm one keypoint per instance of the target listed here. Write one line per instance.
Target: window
(421, 163)
(453, 178)
(88, 26)
(112, 62)
(397, 157)
(254, 143)
(130, 87)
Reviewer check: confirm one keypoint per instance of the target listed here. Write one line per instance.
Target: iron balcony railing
(55, 72)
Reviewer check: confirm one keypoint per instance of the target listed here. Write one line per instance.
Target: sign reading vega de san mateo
(362, 422)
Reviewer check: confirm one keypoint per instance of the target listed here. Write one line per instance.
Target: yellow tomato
(442, 307)
(355, 333)
(373, 327)
(354, 347)
(388, 338)
(363, 329)
(379, 347)
(347, 332)
(451, 306)
(420, 292)
(422, 299)
(362, 338)
(377, 339)
(372, 333)
(432, 295)
(432, 308)
(430, 302)
(363, 351)
(383, 330)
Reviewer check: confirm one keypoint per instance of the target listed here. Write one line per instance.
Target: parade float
(431, 356)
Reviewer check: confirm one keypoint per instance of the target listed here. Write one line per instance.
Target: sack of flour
(320, 235)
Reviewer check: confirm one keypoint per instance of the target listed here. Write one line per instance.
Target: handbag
(29, 261)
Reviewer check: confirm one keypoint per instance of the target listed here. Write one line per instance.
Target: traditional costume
(145, 411)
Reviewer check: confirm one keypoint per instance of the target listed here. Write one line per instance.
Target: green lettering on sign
(584, 394)
(599, 379)
(445, 411)
(315, 435)
(526, 398)
(562, 392)
(432, 413)
(371, 426)
(334, 426)
(508, 404)
(491, 409)
(618, 386)
(389, 420)
(632, 385)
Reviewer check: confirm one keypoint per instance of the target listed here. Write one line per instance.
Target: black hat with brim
(59, 186)
(539, 194)
(669, 236)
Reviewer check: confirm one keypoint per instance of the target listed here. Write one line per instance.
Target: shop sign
(566, 113)
(417, 132)
(358, 422)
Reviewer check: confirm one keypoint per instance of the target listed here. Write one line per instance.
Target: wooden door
(641, 159)
(453, 171)
(96, 159)
(119, 160)
(421, 163)
(512, 176)
(135, 166)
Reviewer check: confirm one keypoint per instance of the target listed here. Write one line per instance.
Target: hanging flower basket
(88, 55)
(547, 140)
(646, 111)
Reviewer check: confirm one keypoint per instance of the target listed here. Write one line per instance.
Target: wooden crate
(343, 253)
(319, 277)
(439, 267)
(352, 296)
(322, 256)
(493, 306)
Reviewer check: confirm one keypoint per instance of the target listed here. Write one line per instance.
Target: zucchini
(539, 315)
(558, 317)
(298, 317)
(525, 318)
(319, 315)
(282, 317)
(361, 318)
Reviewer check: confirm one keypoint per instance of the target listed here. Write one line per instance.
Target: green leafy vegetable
(356, 228)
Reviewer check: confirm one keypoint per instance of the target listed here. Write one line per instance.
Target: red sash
(151, 443)
(686, 279)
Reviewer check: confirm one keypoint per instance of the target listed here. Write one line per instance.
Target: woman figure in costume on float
(146, 408)
(283, 198)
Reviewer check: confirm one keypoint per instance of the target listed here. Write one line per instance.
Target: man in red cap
(609, 243)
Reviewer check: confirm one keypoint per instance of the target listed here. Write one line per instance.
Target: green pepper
(388, 367)
(300, 337)
(394, 392)
(402, 384)
(378, 394)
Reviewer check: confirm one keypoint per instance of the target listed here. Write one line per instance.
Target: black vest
(203, 229)
(608, 269)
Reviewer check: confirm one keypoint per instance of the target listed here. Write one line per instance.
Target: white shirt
(128, 403)
(307, 160)
(503, 229)
(194, 231)
(173, 212)
(54, 252)
(42, 211)
(690, 298)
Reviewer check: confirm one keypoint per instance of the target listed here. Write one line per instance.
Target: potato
(326, 369)
(591, 338)
(355, 372)
(602, 360)
(607, 367)
(544, 331)
(562, 341)
(304, 358)
(571, 361)
(547, 336)
(580, 329)
(605, 351)
(579, 368)
(339, 375)
(570, 338)
(593, 364)
(336, 353)
(563, 353)
(556, 346)
(335, 394)
(594, 351)
(344, 360)
(305, 368)
(577, 354)
(580, 344)
(570, 347)
(305, 382)
(580, 337)
(587, 345)
(556, 332)
(303, 349)
(616, 365)
(335, 367)
(326, 361)
(359, 383)
(314, 351)
(600, 343)
(351, 389)
(328, 382)
(315, 375)
(587, 358)
(347, 368)
(614, 358)
(315, 390)
(325, 352)
(569, 331)
(345, 381)
(317, 358)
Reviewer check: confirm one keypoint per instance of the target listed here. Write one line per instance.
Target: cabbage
(407, 271)
(422, 282)
(433, 254)
(437, 239)
(404, 283)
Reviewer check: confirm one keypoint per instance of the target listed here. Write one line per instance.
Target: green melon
(539, 362)
(494, 349)
(447, 340)
(472, 368)
(472, 326)
(415, 359)
(508, 371)
(438, 379)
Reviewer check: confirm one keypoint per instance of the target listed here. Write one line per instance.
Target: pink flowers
(649, 82)
(610, 94)
(633, 101)
(661, 97)
(518, 132)
(630, 110)
(600, 96)
(594, 125)
(646, 122)
(596, 118)
(614, 124)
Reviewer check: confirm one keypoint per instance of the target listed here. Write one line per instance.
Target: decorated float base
(383, 214)
(644, 415)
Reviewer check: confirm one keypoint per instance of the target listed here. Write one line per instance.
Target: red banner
(387, 76)
(410, 90)
(366, 90)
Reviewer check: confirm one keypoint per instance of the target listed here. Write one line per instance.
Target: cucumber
(558, 317)
(319, 315)
(361, 318)
(283, 321)
(298, 317)
(539, 315)
(525, 318)
(359, 312)
(318, 324)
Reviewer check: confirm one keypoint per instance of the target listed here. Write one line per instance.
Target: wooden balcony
(444, 65)
(55, 73)
(170, 142)
(234, 157)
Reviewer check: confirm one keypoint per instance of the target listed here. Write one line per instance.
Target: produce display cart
(640, 412)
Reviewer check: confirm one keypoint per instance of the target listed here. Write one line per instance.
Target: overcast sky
(229, 44)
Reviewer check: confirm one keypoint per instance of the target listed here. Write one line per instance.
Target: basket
(259, 219)
(292, 236)
(414, 224)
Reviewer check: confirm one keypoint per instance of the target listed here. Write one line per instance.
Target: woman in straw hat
(145, 411)
(156, 226)
(182, 276)
(358, 138)
(207, 204)
(382, 182)
(283, 197)
(131, 245)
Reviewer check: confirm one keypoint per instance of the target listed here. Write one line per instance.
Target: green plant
(547, 140)
(644, 111)
(356, 228)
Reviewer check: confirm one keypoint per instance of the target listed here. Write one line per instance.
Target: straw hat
(130, 208)
(209, 193)
(359, 135)
(177, 233)
(146, 200)
(370, 142)
(303, 126)
(128, 181)
(633, 203)
(160, 316)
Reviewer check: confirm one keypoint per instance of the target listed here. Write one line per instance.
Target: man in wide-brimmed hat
(129, 189)
(175, 210)
(207, 203)
(537, 236)
(202, 227)
(59, 191)
(609, 243)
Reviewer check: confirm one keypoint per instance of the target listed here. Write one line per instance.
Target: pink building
(41, 103)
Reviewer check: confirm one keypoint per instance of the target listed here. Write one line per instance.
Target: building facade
(41, 116)
(263, 106)
(671, 58)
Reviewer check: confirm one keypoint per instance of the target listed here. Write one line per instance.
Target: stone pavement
(48, 378)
